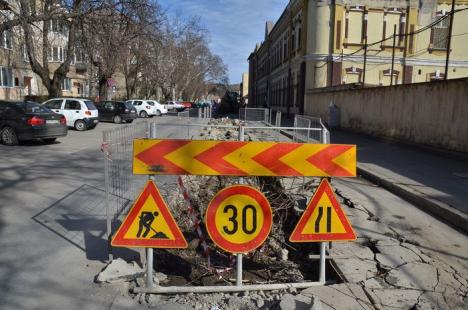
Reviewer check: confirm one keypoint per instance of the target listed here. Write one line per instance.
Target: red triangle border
(297, 236)
(119, 239)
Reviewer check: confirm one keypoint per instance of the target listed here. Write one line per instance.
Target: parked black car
(116, 111)
(26, 120)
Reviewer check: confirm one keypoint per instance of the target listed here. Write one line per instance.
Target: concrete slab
(120, 270)
(370, 229)
(394, 256)
(394, 298)
(434, 301)
(298, 302)
(418, 276)
(351, 249)
(340, 296)
(355, 270)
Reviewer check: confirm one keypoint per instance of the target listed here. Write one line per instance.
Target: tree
(113, 37)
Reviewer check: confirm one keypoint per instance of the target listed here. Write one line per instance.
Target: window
(57, 54)
(109, 106)
(137, 102)
(54, 104)
(6, 77)
(436, 76)
(58, 26)
(72, 105)
(79, 55)
(24, 53)
(299, 36)
(440, 32)
(66, 84)
(6, 39)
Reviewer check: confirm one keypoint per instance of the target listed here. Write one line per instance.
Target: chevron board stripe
(238, 158)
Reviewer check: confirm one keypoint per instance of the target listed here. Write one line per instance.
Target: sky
(234, 26)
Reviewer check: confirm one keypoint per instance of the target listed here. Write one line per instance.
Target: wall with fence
(433, 113)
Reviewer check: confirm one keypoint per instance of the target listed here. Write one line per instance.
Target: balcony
(81, 66)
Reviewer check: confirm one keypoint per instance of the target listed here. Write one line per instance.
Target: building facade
(244, 89)
(17, 80)
(317, 44)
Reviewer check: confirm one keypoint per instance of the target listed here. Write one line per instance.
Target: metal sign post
(149, 251)
(322, 262)
(239, 256)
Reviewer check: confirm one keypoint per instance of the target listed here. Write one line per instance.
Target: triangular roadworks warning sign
(323, 219)
(149, 224)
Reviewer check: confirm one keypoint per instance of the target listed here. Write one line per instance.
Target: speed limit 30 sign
(239, 219)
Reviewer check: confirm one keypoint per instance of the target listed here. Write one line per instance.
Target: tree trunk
(55, 89)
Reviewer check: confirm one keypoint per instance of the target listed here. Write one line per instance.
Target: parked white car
(80, 114)
(174, 105)
(148, 108)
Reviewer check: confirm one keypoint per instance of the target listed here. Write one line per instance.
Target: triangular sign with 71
(323, 219)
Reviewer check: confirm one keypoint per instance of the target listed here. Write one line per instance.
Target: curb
(443, 211)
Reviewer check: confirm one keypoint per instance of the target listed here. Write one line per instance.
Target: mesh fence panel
(122, 187)
(254, 115)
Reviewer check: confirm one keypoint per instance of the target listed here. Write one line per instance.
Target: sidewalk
(434, 183)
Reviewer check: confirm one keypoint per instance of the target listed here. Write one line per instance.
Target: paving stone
(352, 249)
(340, 296)
(120, 270)
(433, 301)
(418, 276)
(356, 270)
(394, 256)
(298, 302)
(394, 298)
(424, 258)
(370, 229)
(376, 283)
(388, 242)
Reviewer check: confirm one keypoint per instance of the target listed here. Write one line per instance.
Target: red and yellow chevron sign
(239, 158)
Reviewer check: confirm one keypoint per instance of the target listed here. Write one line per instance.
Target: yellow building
(317, 44)
(244, 88)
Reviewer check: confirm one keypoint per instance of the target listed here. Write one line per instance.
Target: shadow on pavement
(80, 218)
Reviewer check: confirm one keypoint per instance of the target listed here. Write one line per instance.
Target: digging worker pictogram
(146, 219)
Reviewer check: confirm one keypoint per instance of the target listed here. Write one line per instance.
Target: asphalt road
(52, 223)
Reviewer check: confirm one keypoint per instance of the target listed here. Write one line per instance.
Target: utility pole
(393, 55)
(365, 63)
(449, 43)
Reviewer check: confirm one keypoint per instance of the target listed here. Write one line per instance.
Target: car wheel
(8, 136)
(117, 119)
(129, 121)
(158, 113)
(143, 114)
(80, 125)
(49, 140)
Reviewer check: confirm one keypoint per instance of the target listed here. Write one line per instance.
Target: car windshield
(90, 105)
(32, 107)
(128, 105)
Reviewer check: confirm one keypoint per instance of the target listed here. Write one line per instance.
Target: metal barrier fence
(122, 187)
(205, 112)
(274, 118)
(317, 131)
(254, 115)
(184, 114)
